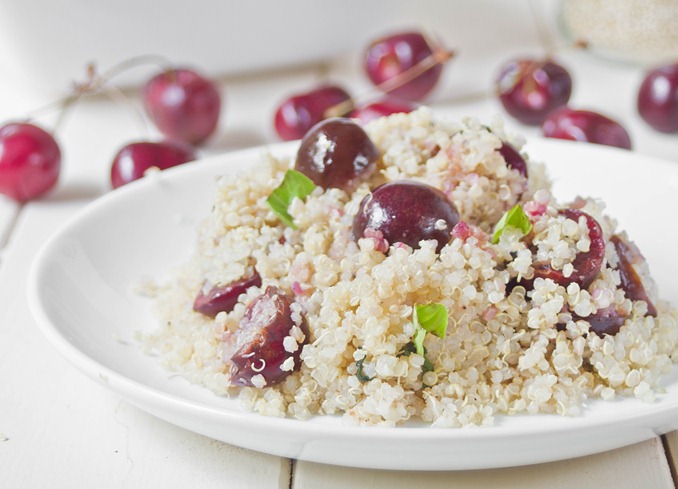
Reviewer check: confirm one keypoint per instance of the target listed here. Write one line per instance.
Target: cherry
(223, 298)
(587, 126)
(261, 348)
(586, 264)
(406, 212)
(606, 323)
(183, 104)
(134, 159)
(388, 58)
(337, 153)
(530, 89)
(381, 108)
(513, 158)
(630, 281)
(658, 98)
(298, 113)
(30, 161)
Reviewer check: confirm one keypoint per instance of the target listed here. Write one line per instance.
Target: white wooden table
(60, 430)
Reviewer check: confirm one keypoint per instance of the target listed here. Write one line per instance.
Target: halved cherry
(630, 281)
(605, 324)
(261, 348)
(586, 264)
(600, 323)
(222, 298)
(513, 158)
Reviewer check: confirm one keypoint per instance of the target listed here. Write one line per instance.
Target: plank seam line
(669, 459)
(293, 464)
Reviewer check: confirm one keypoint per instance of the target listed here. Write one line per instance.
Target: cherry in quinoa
(223, 298)
(297, 114)
(133, 160)
(630, 280)
(406, 212)
(337, 153)
(607, 322)
(262, 347)
(658, 98)
(586, 126)
(605, 325)
(30, 161)
(586, 264)
(183, 104)
(390, 59)
(513, 158)
(530, 89)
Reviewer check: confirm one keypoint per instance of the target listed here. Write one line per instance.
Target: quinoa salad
(414, 269)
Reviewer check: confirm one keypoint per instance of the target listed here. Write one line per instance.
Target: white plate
(81, 294)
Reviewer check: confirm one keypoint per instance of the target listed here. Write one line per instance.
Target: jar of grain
(639, 31)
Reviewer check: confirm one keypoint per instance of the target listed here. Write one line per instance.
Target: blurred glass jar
(639, 31)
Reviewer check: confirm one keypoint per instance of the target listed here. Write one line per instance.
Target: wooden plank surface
(638, 466)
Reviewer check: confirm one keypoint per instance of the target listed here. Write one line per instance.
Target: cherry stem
(438, 56)
(95, 83)
(67, 105)
(145, 59)
(545, 37)
(117, 96)
(536, 64)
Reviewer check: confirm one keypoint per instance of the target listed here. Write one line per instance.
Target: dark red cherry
(630, 281)
(406, 212)
(223, 298)
(389, 57)
(30, 161)
(183, 104)
(658, 98)
(607, 322)
(513, 158)
(586, 264)
(337, 153)
(300, 112)
(135, 159)
(530, 89)
(586, 126)
(261, 334)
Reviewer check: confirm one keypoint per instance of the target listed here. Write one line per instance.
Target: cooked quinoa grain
(526, 333)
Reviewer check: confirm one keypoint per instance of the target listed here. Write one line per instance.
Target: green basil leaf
(407, 350)
(360, 374)
(418, 341)
(432, 318)
(515, 218)
(294, 184)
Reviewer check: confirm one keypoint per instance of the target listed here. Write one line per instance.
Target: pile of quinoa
(508, 348)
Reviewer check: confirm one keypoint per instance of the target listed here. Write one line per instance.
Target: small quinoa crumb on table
(538, 319)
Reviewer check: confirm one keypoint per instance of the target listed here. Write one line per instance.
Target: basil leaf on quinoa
(515, 218)
(418, 341)
(294, 184)
(408, 349)
(362, 377)
(431, 318)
